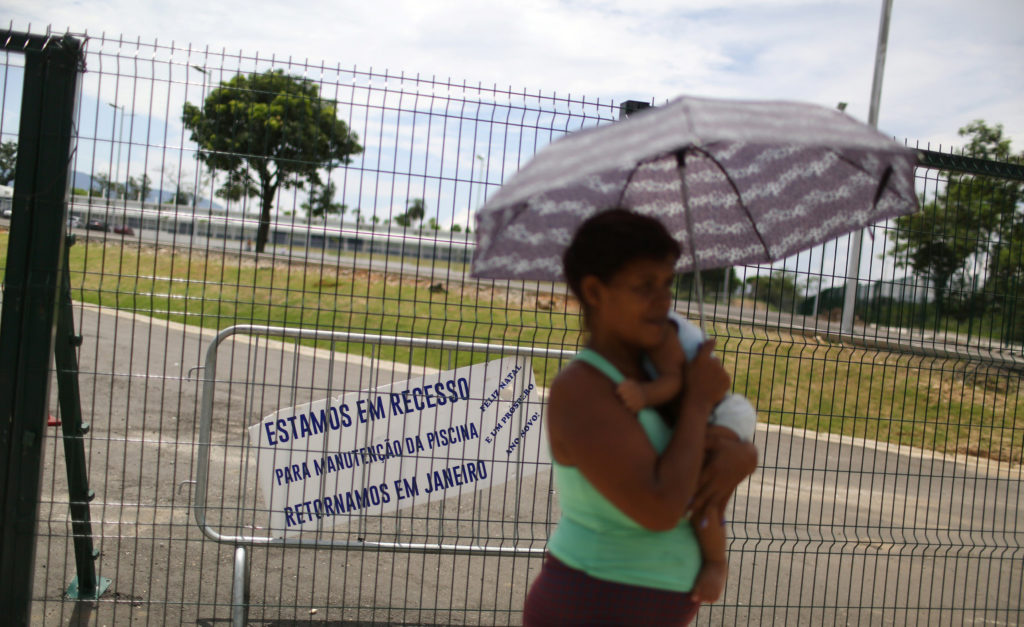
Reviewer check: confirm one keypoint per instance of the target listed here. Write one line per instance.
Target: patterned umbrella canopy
(758, 181)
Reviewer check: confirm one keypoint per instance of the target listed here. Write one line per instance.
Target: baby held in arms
(733, 418)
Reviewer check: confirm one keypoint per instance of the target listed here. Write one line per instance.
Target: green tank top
(594, 536)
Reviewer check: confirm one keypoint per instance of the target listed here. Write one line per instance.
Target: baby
(734, 418)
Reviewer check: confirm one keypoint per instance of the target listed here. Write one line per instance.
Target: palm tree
(416, 210)
(321, 202)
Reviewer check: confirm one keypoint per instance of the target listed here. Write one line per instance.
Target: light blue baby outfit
(734, 412)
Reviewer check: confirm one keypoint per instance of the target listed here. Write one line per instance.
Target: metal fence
(890, 482)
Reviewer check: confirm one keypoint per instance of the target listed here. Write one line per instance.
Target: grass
(945, 405)
(424, 263)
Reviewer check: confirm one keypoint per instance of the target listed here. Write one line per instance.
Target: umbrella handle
(681, 166)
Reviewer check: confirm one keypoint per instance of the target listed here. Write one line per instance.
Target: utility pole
(853, 269)
(116, 175)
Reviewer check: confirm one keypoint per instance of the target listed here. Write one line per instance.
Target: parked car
(74, 222)
(124, 229)
(97, 225)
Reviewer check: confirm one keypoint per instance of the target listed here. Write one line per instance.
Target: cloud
(947, 63)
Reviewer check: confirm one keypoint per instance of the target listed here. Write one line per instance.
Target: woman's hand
(727, 462)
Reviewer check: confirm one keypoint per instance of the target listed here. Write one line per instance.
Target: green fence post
(35, 261)
(86, 585)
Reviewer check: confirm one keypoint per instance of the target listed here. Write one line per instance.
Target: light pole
(481, 191)
(483, 164)
(853, 269)
(199, 163)
(117, 166)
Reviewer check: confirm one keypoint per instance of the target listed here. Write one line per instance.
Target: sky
(947, 62)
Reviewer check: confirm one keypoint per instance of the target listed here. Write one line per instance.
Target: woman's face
(634, 303)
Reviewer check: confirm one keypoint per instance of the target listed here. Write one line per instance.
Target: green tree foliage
(713, 282)
(269, 131)
(414, 213)
(972, 227)
(182, 196)
(778, 288)
(321, 202)
(416, 210)
(8, 161)
(139, 188)
(826, 300)
(103, 187)
(100, 184)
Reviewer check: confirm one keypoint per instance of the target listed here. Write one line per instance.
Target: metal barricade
(244, 543)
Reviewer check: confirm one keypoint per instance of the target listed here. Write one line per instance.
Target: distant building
(6, 199)
(908, 289)
(336, 235)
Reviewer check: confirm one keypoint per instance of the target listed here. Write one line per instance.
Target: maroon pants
(565, 596)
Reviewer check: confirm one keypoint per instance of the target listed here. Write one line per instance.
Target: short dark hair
(608, 241)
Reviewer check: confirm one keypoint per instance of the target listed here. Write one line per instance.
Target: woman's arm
(590, 429)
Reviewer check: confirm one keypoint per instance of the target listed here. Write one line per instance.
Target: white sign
(423, 440)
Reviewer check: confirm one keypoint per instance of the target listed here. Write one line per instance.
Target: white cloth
(734, 412)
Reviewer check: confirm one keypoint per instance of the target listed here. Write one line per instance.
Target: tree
(321, 202)
(187, 184)
(968, 226)
(182, 196)
(779, 289)
(712, 281)
(103, 187)
(416, 210)
(139, 188)
(8, 161)
(269, 131)
(1007, 278)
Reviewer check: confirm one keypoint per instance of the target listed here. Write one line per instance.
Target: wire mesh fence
(222, 202)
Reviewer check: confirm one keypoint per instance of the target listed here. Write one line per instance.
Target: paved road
(830, 530)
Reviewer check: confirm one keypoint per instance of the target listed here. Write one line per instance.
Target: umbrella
(734, 182)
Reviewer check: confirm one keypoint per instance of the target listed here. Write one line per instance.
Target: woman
(624, 551)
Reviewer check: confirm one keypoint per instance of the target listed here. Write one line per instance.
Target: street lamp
(120, 140)
(120, 129)
(199, 163)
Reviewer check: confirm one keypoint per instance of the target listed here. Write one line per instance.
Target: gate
(889, 489)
